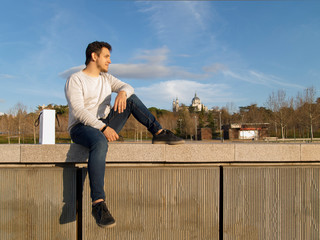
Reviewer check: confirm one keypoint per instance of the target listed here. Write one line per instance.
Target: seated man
(93, 123)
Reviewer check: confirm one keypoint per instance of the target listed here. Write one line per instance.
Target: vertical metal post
(220, 127)
(195, 126)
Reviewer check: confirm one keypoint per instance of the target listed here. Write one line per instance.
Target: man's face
(103, 60)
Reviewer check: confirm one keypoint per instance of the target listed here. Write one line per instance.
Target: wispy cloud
(215, 68)
(42, 92)
(6, 76)
(67, 73)
(50, 38)
(181, 19)
(259, 78)
(273, 80)
(154, 56)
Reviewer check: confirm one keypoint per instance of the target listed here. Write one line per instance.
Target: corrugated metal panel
(31, 203)
(158, 203)
(271, 203)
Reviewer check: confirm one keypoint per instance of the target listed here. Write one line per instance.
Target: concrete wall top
(161, 153)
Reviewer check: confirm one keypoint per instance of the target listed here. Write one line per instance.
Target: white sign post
(47, 126)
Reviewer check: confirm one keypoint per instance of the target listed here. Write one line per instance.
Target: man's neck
(91, 71)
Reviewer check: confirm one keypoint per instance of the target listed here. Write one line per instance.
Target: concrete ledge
(56, 153)
(44, 153)
(267, 152)
(310, 152)
(160, 153)
(9, 153)
(136, 152)
(198, 153)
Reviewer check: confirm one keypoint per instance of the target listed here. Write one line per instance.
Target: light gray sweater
(89, 98)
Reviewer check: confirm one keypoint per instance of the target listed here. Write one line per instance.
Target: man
(93, 123)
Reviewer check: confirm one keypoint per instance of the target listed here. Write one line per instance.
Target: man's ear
(94, 56)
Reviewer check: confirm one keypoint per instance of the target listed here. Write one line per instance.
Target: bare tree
(168, 120)
(187, 123)
(307, 109)
(20, 112)
(280, 106)
(9, 125)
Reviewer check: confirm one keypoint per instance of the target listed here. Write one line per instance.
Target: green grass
(29, 140)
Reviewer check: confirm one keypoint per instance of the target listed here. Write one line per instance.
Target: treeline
(289, 117)
(19, 126)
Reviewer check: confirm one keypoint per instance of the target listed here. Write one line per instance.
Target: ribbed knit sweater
(89, 98)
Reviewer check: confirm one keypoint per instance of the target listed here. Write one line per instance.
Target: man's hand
(120, 102)
(110, 134)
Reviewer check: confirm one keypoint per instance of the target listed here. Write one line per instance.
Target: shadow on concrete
(77, 154)
(69, 195)
(73, 180)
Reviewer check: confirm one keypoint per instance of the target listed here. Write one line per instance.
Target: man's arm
(124, 91)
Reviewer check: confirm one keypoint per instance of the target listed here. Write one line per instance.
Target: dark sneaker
(102, 215)
(167, 137)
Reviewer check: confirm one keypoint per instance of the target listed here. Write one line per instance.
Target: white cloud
(152, 65)
(151, 71)
(162, 94)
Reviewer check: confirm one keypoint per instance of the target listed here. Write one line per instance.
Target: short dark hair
(95, 47)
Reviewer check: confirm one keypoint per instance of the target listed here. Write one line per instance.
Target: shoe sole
(108, 226)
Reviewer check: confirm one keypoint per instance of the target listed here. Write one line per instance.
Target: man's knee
(132, 98)
(101, 145)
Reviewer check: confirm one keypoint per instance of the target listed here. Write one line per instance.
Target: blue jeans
(97, 143)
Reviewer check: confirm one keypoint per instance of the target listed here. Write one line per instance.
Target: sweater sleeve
(117, 85)
(77, 110)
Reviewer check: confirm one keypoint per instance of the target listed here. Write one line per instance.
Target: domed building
(195, 103)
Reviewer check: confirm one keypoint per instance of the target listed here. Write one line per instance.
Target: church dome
(195, 99)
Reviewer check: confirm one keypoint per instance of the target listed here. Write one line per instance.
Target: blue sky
(228, 52)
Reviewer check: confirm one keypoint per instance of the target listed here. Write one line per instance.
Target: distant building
(204, 134)
(195, 103)
(246, 131)
(175, 105)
